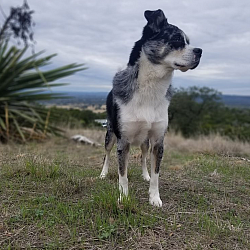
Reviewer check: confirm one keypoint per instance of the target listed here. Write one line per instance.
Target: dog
(137, 105)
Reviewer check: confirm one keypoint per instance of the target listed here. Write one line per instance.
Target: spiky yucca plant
(22, 85)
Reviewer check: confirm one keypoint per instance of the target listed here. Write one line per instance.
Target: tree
(189, 107)
(18, 24)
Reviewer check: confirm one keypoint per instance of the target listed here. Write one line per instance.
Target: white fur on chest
(146, 115)
(146, 108)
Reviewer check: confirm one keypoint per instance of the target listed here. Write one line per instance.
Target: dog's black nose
(197, 51)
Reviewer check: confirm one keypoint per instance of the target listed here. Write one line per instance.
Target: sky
(101, 34)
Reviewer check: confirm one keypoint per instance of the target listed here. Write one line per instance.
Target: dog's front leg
(156, 157)
(109, 143)
(144, 149)
(122, 155)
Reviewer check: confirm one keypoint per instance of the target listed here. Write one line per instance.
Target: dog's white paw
(155, 201)
(146, 177)
(103, 175)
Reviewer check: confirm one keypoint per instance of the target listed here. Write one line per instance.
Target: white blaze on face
(186, 39)
(182, 59)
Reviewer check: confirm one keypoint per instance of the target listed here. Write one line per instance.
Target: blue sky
(102, 33)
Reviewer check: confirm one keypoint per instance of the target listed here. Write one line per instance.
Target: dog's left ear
(156, 19)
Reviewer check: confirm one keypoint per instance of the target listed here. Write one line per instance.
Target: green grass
(51, 198)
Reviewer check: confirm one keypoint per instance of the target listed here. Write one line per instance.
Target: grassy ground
(51, 198)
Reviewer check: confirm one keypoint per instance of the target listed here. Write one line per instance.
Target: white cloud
(102, 33)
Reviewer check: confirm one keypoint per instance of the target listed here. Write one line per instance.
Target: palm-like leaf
(22, 85)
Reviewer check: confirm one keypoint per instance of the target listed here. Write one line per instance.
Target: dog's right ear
(156, 19)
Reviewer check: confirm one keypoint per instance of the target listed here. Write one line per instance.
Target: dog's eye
(177, 42)
(177, 38)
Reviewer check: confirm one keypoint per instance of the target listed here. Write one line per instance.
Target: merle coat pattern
(137, 106)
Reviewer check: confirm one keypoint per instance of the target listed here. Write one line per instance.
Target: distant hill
(88, 98)
(236, 101)
(99, 98)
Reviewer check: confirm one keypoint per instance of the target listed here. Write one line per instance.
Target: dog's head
(164, 43)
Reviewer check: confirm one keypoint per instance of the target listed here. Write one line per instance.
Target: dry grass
(212, 144)
(51, 197)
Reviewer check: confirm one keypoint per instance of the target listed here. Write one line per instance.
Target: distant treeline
(75, 118)
(193, 111)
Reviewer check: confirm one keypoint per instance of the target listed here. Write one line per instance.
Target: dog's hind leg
(144, 149)
(156, 157)
(109, 143)
(122, 155)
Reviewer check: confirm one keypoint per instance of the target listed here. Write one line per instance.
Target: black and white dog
(137, 106)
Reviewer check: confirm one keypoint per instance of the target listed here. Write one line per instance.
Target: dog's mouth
(180, 66)
(195, 66)
(194, 62)
(186, 67)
